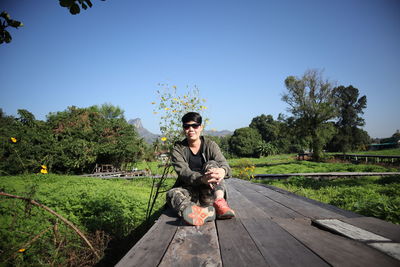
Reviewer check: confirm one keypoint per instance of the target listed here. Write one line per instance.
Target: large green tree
(86, 136)
(266, 126)
(244, 142)
(311, 100)
(350, 107)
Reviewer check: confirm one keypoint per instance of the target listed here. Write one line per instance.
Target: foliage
(71, 141)
(393, 139)
(288, 164)
(223, 143)
(171, 107)
(266, 126)
(311, 101)
(350, 107)
(86, 136)
(370, 196)
(266, 149)
(244, 142)
(245, 169)
(31, 146)
(385, 152)
(74, 6)
(292, 139)
(6, 21)
(99, 207)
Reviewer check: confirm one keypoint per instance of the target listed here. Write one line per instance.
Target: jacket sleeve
(219, 157)
(181, 167)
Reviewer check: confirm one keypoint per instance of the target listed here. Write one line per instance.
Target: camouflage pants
(180, 197)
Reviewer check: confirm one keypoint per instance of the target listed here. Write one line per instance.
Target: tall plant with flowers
(170, 107)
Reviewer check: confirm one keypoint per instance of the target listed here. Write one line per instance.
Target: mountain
(149, 137)
(217, 133)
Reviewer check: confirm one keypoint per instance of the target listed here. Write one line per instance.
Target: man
(199, 193)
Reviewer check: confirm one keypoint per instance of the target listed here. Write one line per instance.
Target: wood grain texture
(151, 247)
(193, 246)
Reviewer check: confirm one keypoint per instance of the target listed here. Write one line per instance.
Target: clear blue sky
(238, 53)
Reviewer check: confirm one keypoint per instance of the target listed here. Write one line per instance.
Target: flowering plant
(171, 106)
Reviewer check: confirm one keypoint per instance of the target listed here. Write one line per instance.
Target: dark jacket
(180, 161)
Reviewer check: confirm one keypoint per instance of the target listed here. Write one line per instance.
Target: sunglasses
(194, 126)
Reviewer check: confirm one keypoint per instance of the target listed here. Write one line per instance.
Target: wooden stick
(70, 224)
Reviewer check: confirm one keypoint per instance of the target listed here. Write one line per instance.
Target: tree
(266, 126)
(86, 136)
(291, 138)
(6, 21)
(74, 7)
(244, 142)
(26, 143)
(171, 106)
(350, 108)
(311, 101)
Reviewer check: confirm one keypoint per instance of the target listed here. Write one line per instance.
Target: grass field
(102, 209)
(289, 164)
(385, 152)
(370, 196)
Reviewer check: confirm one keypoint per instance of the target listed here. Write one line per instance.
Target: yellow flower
(13, 139)
(174, 111)
(174, 86)
(44, 169)
(164, 139)
(167, 108)
(153, 103)
(22, 250)
(203, 107)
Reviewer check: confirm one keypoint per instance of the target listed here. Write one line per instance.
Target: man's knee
(209, 165)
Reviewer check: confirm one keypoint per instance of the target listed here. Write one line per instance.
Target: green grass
(385, 152)
(114, 207)
(370, 196)
(289, 164)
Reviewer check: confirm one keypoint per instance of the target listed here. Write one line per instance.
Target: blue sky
(238, 53)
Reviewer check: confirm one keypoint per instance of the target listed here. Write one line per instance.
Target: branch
(73, 227)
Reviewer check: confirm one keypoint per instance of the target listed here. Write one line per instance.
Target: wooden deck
(272, 228)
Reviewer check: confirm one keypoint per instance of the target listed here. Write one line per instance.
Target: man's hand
(214, 176)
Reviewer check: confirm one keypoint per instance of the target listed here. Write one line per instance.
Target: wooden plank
(193, 246)
(304, 208)
(237, 247)
(377, 226)
(345, 213)
(349, 230)
(335, 249)
(392, 249)
(276, 245)
(150, 249)
(270, 207)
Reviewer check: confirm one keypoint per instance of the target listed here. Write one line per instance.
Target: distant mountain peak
(148, 136)
(137, 123)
